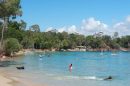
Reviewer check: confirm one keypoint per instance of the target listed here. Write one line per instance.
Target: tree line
(15, 35)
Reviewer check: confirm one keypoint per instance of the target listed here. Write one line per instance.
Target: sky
(82, 16)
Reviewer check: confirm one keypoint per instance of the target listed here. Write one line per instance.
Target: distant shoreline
(24, 51)
(75, 50)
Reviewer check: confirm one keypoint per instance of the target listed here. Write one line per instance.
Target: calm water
(89, 68)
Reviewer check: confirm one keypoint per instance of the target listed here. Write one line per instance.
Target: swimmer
(40, 56)
(70, 67)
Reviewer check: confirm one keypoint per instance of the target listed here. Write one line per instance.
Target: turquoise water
(89, 68)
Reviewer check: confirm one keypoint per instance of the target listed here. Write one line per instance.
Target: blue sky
(64, 14)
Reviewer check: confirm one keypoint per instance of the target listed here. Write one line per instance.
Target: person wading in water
(70, 67)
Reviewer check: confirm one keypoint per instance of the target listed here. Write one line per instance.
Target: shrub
(11, 45)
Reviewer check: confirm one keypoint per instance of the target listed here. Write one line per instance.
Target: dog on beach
(20, 68)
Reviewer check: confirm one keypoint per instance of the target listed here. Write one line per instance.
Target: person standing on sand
(70, 67)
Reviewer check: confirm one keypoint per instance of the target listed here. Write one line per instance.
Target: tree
(22, 25)
(34, 31)
(124, 41)
(27, 43)
(8, 9)
(35, 28)
(115, 35)
(14, 31)
(11, 45)
(114, 45)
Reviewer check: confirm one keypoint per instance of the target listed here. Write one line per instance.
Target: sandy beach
(12, 81)
(5, 81)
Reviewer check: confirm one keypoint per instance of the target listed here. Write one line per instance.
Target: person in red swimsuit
(70, 67)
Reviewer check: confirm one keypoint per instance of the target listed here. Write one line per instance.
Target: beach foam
(78, 77)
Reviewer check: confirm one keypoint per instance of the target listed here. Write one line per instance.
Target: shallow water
(89, 68)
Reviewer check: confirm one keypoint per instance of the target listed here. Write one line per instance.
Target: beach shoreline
(4, 81)
(11, 80)
(75, 49)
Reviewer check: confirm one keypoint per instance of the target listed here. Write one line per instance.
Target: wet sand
(7, 80)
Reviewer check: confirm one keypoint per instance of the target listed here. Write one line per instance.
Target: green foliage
(11, 45)
(9, 9)
(125, 41)
(15, 32)
(48, 40)
(35, 28)
(27, 43)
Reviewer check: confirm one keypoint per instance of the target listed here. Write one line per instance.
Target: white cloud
(72, 29)
(91, 26)
(62, 29)
(91, 23)
(123, 28)
(49, 29)
(128, 18)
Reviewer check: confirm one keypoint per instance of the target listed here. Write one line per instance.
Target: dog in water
(108, 78)
(20, 68)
